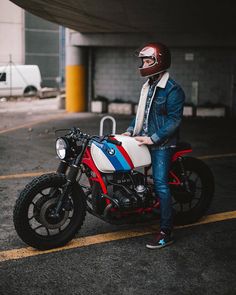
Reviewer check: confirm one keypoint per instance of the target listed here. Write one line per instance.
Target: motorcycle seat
(180, 146)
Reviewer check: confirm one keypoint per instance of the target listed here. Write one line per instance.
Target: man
(157, 122)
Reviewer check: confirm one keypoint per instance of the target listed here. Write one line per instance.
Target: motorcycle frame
(88, 161)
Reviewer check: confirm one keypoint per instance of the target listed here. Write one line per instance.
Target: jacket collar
(162, 82)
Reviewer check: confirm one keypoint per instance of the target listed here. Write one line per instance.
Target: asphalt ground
(202, 260)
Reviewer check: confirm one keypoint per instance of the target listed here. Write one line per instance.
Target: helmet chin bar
(154, 74)
(155, 77)
(142, 70)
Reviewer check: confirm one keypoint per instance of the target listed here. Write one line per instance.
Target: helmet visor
(147, 62)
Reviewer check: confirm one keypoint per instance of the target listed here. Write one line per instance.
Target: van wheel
(30, 91)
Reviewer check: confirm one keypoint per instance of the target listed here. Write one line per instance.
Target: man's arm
(174, 108)
(130, 129)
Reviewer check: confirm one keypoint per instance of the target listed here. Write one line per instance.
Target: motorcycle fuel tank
(109, 157)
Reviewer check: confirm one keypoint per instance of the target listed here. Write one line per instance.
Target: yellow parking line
(24, 175)
(32, 123)
(213, 218)
(107, 237)
(217, 156)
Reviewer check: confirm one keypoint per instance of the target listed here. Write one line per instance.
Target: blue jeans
(161, 159)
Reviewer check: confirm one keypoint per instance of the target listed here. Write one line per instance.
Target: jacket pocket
(160, 100)
(160, 105)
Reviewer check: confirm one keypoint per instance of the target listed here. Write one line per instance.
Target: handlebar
(77, 134)
(107, 138)
(114, 141)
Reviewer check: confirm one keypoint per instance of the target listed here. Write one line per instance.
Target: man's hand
(126, 134)
(144, 140)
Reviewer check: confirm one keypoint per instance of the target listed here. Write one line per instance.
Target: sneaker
(161, 240)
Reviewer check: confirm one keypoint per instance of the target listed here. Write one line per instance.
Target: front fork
(62, 167)
(72, 172)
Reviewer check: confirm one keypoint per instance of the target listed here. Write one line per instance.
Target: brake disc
(52, 222)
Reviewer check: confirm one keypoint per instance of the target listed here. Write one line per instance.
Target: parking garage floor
(108, 259)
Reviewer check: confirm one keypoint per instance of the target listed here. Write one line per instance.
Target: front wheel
(193, 196)
(32, 212)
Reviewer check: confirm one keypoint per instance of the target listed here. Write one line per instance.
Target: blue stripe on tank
(117, 160)
(115, 163)
(119, 157)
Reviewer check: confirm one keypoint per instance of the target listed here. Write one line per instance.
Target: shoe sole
(159, 246)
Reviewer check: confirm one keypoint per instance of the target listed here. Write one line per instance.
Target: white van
(19, 80)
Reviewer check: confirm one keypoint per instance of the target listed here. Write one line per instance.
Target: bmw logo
(111, 151)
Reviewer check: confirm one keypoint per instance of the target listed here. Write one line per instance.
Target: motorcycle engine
(128, 190)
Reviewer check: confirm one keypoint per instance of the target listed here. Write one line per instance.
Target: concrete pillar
(75, 77)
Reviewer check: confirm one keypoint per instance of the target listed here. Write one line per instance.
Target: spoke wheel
(192, 198)
(33, 213)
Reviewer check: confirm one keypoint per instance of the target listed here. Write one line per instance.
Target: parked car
(17, 80)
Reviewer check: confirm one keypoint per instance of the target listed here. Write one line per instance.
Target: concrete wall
(31, 40)
(211, 68)
(11, 33)
(115, 74)
(205, 74)
(42, 47)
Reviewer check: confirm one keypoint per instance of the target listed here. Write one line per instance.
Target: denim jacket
(165, 114)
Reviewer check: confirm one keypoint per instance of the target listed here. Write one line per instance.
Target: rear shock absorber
(184, 177)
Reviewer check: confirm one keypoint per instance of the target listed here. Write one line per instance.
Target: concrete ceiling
(137, 16)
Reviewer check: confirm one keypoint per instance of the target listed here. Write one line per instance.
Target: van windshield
(2, 77)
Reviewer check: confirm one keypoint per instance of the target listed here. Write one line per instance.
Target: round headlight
(61, 148)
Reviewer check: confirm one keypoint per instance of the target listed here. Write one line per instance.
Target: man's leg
(161, 160)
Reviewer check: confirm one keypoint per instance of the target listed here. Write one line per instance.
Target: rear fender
(180, 154)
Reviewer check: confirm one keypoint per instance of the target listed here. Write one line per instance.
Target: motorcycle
(119, 188)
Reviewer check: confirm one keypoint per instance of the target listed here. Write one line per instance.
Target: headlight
(62, 148)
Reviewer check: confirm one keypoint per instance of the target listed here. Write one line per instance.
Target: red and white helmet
(161, 59)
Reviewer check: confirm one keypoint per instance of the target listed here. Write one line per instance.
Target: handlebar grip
(114, 141)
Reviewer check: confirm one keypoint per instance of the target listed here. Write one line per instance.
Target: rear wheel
(193, 197)
(30, 91)
(32, 213)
